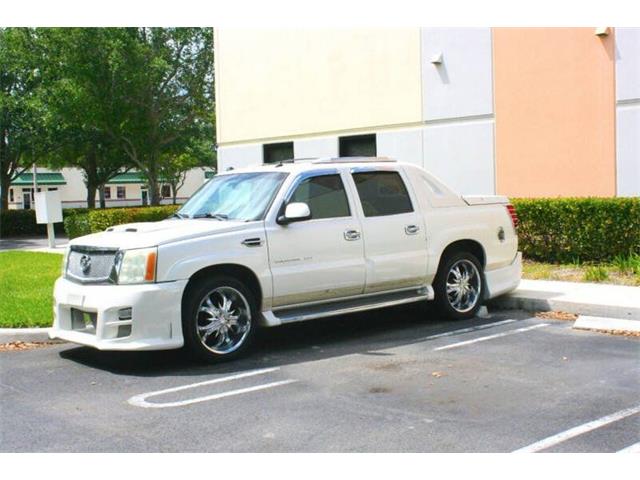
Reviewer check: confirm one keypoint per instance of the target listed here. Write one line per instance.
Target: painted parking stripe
(141, 399)
(466, 330)
(491, 337)
(635, 448)
(579, 430)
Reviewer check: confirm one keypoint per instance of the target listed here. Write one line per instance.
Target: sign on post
(49, 211)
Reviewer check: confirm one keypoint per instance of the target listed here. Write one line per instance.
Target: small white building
(123, 190)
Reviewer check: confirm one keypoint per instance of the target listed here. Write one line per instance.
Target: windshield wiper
(217, 216)
(179, 215)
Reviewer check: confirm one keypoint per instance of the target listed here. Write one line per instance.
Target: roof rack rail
(354, 160)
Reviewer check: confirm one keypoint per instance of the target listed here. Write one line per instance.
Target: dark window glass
(11, 194)
(325, 196)
(166, 191)
(107, 193)
(276, 152)
(358, 146)
(382, 193)
(121, 192)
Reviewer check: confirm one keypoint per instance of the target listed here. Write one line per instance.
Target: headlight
(136, 266)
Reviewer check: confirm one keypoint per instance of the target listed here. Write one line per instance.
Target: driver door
(321, 258)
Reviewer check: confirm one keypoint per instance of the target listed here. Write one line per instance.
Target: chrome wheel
(463, 286)
(223, 320)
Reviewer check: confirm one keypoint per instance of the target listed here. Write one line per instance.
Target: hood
(150, 234)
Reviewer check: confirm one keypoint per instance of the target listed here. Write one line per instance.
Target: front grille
(90, 265)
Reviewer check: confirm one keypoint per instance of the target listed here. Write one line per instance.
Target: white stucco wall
(627, 56)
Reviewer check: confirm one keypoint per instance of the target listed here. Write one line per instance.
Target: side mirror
(295, 212)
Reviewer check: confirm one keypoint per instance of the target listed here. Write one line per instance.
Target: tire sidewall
(191, 302)
(440, 286)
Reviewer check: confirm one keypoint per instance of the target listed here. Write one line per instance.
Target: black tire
(195, 297)
(443, 301)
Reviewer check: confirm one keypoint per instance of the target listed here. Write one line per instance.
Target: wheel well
(236, 271)
(470, 246)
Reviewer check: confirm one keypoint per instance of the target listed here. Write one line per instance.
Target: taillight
(513, 214)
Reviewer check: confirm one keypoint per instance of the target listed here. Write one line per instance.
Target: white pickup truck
(284, 243)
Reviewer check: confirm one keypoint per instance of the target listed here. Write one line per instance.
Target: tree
(80, 71)
(21, 107)
(169, 93)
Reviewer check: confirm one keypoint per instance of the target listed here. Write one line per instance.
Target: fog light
(124, 331)
(125, 314)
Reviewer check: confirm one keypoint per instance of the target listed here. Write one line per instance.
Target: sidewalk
(33, 244)
(590, 299)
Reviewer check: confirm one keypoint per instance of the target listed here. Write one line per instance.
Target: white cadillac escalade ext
(285, 243)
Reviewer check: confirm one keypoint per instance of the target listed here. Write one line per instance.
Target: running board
(342, 307)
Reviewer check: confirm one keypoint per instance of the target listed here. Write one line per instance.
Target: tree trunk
(91, 194)
(5, 184)
(101, 193)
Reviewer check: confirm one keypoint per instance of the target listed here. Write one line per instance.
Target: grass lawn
(620, 272)
(26, 288)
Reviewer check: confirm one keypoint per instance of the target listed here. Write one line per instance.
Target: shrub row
(578, 229)
(14, 223)
(97, 220)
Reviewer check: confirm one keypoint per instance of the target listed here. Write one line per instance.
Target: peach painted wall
(555, 112)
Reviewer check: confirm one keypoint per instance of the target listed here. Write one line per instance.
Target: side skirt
(302, 313)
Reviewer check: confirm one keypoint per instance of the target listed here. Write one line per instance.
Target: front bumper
(155, 322)
(503, 280)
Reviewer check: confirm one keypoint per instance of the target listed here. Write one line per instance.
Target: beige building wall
(326, 80)
(555, 112)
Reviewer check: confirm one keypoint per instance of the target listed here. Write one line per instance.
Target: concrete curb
(531, 304)
(585, 322)
(8, 335)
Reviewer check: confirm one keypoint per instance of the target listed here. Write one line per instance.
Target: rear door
(393, 230)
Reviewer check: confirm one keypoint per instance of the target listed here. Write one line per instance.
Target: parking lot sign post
(49, 211)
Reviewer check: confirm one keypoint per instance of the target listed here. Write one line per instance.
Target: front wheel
(218, 318)
(459, 286)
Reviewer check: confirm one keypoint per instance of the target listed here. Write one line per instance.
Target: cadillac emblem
(85, 264)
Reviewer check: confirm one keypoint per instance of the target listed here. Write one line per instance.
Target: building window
(358, 146)
(52, 189)
(382, 193)
(166, 191)
(122, 193)
(107, 193)
(11, 195)
(276, 152)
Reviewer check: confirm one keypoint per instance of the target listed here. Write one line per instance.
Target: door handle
(411, 229)
(351, 235)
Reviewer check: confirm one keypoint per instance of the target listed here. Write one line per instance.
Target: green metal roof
(26, 179)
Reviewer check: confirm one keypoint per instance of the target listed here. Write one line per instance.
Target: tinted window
(358, 146)
(325, 196)
(277, 152)
(382, 193)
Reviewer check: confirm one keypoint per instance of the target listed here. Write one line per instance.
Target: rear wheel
(459, 286)
(218, 318)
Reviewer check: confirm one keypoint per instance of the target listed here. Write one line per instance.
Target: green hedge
(578, 229)
(14, 223)
(98, 220)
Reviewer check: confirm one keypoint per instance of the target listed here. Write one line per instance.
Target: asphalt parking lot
(397, 380)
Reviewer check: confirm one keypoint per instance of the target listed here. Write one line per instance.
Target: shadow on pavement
(362, 333)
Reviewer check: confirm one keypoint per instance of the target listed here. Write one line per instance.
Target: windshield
(239, 196)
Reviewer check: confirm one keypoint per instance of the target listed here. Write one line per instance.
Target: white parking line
(635, 448)
(141, 400)
(466, 330)
(490, 337)
(579, 430)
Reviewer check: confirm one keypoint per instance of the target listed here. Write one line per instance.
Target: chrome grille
(90, 264)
